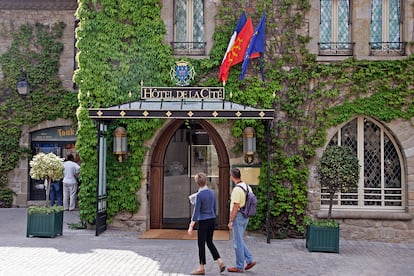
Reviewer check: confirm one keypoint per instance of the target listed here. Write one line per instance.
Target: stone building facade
(15, 13)
(357, 222)
(386, 223)
(48, 12)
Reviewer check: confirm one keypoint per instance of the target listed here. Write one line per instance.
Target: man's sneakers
(249, 265)
(234, 269)
(237, 270)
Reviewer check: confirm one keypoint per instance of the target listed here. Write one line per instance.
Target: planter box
(44, 225)
(322, 239)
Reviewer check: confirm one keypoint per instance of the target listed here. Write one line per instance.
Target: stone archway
(157, 173)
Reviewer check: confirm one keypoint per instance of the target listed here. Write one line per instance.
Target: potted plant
(338, 170)
(45, 221)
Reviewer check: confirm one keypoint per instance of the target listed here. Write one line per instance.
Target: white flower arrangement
(48, 167)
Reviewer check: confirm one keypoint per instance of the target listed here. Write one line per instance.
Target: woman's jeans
(55, 193)
(242, 252)
(205, 233)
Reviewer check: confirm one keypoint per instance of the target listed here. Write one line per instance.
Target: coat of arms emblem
(183, 73)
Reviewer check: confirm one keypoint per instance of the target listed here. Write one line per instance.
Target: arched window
(381, 176)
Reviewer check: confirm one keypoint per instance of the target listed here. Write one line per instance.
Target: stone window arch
(381, 185)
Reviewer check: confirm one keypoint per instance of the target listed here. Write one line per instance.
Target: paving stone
(80, 252)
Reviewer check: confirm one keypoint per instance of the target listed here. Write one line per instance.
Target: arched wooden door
(159, 169)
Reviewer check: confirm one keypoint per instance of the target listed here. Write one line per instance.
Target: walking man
(238, 224)
(70, 183)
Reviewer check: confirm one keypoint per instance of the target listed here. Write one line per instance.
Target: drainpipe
(268, 182)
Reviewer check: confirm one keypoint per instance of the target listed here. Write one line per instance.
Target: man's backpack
(249, 209)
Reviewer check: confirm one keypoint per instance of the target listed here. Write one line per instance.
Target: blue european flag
(256, 45)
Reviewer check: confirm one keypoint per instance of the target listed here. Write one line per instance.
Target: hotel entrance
(184, 149)
(187, 144)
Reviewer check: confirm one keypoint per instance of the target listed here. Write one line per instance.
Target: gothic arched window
(381, 176)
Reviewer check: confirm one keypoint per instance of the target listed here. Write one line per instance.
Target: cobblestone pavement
(80, 252)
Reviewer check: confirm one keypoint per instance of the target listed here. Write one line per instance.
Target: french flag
(237, 46)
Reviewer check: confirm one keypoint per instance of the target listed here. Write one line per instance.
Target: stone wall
(15, 13)
(49, 12)
(360, 224)
(392, 226)
(360, 30)
(377, 230)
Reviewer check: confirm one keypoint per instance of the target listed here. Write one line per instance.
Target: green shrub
(338, 170)
(6, 197)
(45, 209)
(325, 223)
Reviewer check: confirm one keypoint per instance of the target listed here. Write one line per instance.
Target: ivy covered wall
(36, 49)
(121, 44)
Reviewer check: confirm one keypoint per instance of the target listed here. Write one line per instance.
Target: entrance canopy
(175, 103)
(181, 109)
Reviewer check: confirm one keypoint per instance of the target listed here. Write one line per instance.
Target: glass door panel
(188, 153)
(203, 158)
(177, 184)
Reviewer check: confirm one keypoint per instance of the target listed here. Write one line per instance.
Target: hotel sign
(181, 93)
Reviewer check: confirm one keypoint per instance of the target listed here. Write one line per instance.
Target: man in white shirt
(70, 183)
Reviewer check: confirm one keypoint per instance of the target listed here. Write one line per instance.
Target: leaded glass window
(189, 24)
(334, 24)
(380, 184)
(385, 24)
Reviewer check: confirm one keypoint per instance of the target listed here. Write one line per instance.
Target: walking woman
(205, 214)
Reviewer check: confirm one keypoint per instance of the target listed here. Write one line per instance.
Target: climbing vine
(36, 49)
(308, 98)
(122, 45)
(119, 46)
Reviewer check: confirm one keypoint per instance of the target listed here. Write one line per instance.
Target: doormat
(175, 234)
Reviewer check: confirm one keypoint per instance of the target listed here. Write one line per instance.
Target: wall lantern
(249, 144)
(22, 83)
(120, 143)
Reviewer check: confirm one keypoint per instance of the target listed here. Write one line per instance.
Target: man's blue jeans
(242, 252)
(55, 193)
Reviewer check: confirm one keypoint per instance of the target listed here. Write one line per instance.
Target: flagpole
(268, 230)
(256, 47)
(261, 64)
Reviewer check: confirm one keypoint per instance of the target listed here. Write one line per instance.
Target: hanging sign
(64, 133)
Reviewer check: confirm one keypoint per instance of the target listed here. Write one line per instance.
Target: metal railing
(387, 48)
(336, 48)
(189, 48)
